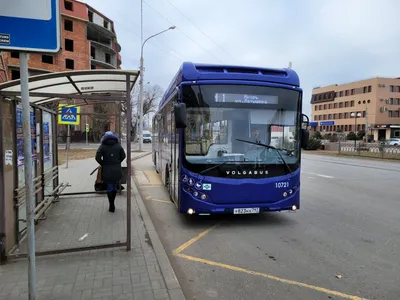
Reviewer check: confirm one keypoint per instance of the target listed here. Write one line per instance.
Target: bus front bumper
(199, 207)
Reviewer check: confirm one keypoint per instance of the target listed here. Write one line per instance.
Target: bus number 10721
(282, 184)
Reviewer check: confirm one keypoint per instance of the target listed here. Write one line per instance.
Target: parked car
(394, 142)
(146, 137)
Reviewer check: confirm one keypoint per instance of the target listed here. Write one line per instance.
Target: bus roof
(195, 71)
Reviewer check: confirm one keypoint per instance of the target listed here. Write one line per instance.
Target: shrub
(313, 144)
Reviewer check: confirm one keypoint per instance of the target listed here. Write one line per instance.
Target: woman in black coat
(109, 155)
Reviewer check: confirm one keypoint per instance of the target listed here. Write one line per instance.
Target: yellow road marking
(163, 201)
(153, 177)
(150, 198)
(283, 280)
(177, 252)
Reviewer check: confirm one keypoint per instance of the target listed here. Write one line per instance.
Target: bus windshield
(230, 127)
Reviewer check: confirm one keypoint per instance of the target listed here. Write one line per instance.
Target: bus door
(174, 161)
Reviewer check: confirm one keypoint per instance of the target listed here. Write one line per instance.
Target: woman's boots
(111, 199)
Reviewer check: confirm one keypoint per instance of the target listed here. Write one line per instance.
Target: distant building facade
(350, 107)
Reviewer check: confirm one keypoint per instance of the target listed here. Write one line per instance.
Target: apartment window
(364, 113)
(341, 105)
(324, 106)
(320, 107)
(93, 67)
(352, 103)
(335, 105)
(93, 52)
(369, 88)
(330, 106)
(341, 94)
(346, 104)
(69, 45)
(105, 24)
(353, 91)
(68, 25)
(330, 116)
(347, 93)
(391, 88)
(68, 5)
(14, 54)
(69, 64)
(341, 116)
(15, 74)
(315, 118)
(47, 59)
(90, 15)
(346, 115)
(108, 58)
(316, 107)
(394, 113)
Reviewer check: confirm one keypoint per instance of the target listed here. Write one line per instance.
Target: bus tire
(166, 177)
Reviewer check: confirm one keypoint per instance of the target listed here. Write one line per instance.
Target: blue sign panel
(326, 123)
(69, 114)
(31, 26)
(313, 124)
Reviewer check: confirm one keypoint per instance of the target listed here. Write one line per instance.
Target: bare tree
(151, 97)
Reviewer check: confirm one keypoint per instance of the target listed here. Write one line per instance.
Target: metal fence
(379, 150)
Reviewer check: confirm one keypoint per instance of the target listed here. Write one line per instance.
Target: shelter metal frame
(100, 85)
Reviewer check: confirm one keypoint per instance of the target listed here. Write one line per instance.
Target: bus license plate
(241, 211)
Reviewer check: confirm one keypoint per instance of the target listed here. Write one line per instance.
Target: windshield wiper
(213, 167)
(269, 147)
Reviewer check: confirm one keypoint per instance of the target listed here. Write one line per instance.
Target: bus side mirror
(180, 115)
(305, 136)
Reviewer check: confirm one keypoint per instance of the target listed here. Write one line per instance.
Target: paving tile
(96, 274)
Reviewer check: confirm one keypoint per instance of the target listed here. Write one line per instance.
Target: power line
(178, 55)
(205, 34)
(182, 31)
(154, 45)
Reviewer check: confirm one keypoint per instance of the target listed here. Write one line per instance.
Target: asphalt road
(343, 243)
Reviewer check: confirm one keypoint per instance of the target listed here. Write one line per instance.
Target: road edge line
(173, 286)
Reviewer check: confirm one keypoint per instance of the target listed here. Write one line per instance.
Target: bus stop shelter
(88, 85)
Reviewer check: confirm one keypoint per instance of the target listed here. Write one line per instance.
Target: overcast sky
(330, 41)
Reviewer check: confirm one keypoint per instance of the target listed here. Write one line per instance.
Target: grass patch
(75, 154)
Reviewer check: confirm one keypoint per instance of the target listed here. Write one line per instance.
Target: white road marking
(320, 175)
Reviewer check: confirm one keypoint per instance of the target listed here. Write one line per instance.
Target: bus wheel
(155, 163)
(167, 177)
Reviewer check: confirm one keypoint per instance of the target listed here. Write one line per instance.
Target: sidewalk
(143, 273)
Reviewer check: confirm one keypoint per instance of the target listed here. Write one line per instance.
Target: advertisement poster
(20, 136)
(46, 142)
(47, 148)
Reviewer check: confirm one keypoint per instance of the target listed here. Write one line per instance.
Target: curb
(174, 288)
(140, 156)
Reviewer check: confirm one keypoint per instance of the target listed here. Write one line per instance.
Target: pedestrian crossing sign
(68, 114)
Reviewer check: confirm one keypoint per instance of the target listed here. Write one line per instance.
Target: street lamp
(355, 116)
(141, 86)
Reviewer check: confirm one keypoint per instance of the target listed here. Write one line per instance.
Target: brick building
(350, 107)
(88, 41)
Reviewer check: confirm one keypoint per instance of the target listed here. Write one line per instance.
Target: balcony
(100, 25)
(102, 56)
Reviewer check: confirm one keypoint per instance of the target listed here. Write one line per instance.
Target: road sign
(69, 114)
(30, 26)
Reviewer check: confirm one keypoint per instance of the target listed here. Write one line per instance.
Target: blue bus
(228, 139)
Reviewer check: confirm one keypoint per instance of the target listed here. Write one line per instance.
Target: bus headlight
(203, 196)
(285, 194)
